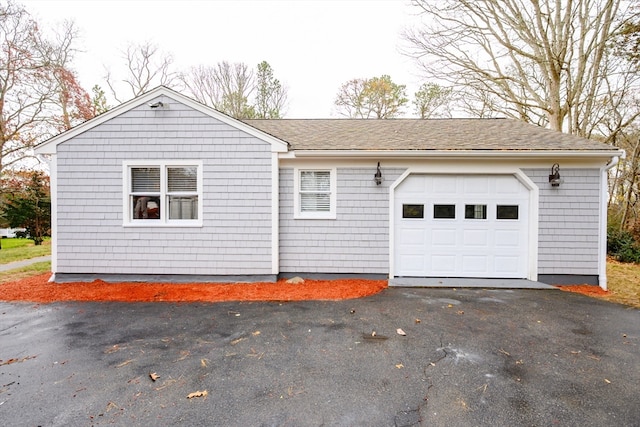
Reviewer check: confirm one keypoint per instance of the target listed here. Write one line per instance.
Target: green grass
(20, 249)
(25, 272)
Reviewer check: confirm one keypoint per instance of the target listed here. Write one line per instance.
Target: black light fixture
(554, 178)
(378, 176)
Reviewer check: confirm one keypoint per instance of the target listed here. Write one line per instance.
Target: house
(165, 188)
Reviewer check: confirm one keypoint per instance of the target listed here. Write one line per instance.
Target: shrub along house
(165, 188)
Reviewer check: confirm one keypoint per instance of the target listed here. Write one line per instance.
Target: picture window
(163, 193)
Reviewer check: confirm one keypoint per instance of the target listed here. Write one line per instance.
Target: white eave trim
(605, 154)
(50, 146)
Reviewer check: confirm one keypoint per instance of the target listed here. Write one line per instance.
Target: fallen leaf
(125, 363)
(203, 362)
(399, 366)
(197, 394)
(418, 321)
(111, 406)
(256, 333)
(234, 342)
(460, 312)
(373, 334)
(607, 381)
(450, 306)
(184, 355)
(153, 376)
(401, 332)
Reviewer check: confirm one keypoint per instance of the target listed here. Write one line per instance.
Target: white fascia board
(498, 154)
(50, 146)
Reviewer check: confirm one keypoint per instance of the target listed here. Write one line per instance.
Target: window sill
(169, 224)
(315, 215)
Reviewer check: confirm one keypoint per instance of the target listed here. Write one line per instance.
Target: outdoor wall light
(155, 105)
(378, 176)
(554, 178)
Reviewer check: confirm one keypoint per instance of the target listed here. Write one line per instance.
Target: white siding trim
(602, 238)
(492, 169)
(275, 214)
(53, 186)
(164, 221)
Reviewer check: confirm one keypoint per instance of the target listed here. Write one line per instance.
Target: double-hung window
(315, 193)
(163, 193)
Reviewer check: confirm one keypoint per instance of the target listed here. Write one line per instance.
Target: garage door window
(413, 211)
(475, 211)
(507, 212)
(444, 211)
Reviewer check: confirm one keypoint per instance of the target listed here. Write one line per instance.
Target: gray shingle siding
(568, 222)
(236, 234)
(357, 241)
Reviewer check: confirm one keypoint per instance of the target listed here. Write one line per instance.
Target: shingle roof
(415, 134)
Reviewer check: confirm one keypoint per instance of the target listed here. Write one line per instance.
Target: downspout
(602, 264)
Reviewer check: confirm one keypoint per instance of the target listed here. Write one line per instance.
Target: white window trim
(297, 213)
(164, 221)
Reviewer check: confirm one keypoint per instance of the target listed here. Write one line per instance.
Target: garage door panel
(475, 264)
(413, 264)
(475, 238)
(475, 187)
(467, 245)
(508, 238)
(412, 236)
(443, 238)
(443, 265)
(443, 185)
(507, 264)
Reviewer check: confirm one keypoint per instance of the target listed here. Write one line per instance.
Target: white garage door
(461, 226)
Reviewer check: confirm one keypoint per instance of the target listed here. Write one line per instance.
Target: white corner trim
(602, 235)
(452, 168)
(53, 188)
(275, 214)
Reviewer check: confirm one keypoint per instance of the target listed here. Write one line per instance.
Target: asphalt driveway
(469, 357)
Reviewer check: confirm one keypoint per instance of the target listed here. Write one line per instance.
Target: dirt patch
(38, 289)
(589, 290)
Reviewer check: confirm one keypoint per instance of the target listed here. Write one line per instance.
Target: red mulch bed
(38, 289)
(589, 290)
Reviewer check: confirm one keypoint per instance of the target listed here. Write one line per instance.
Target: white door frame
(452, 169)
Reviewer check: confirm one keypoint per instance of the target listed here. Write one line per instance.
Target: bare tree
(226, 87)
(147, 67)
(350, 99)
(378, 97)
(29, 84)
(544, 62)
(271, 96)
(432, 100)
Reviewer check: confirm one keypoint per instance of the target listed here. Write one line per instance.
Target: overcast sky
(313, 46)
